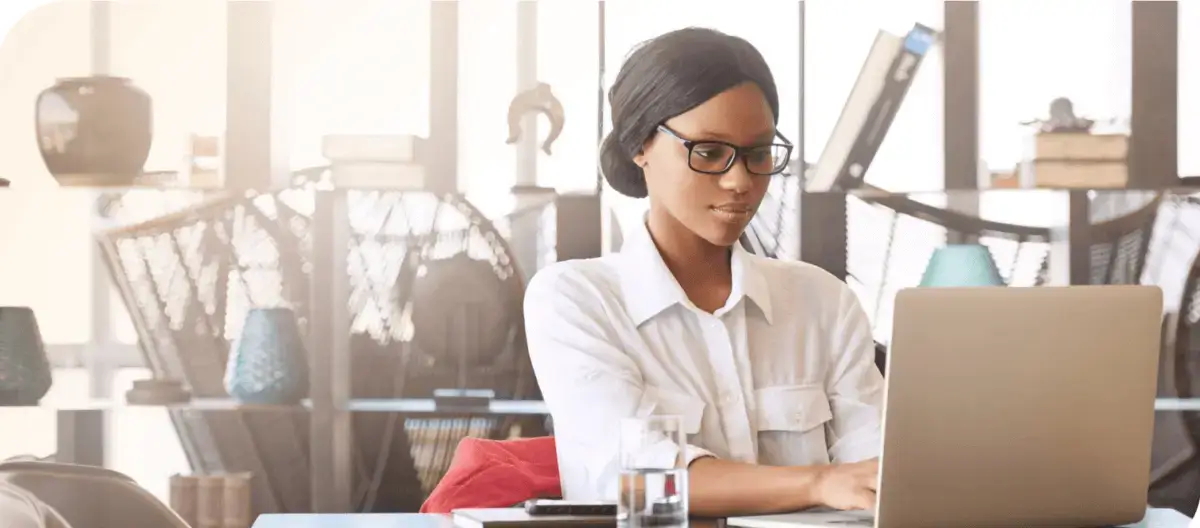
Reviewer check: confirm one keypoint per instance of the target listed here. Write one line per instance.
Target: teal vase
(962, 265)
(24, 369)
(268, 364)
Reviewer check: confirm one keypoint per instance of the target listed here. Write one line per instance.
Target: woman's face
(716, 207)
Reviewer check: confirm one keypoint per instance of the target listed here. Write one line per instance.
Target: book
(517, 517)
(870, 109)
(384, 148)
(378, 175)
(1073, 174)
(1076, 146)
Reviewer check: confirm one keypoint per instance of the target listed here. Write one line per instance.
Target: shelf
(413, 406)
(418, 406)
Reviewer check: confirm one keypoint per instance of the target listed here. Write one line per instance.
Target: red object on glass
(497, 474)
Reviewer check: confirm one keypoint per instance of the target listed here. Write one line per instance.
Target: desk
(394, 520)
(1154, 519)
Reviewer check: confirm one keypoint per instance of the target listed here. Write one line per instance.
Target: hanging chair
(189, 266)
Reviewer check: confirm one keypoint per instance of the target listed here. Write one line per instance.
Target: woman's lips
(732, 212)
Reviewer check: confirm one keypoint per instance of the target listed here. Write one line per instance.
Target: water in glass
(653, 478)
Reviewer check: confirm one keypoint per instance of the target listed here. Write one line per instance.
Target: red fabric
(497, 474)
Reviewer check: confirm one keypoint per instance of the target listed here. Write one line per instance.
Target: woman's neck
(701, 268)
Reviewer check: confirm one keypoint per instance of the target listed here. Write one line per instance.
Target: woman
(770, 363)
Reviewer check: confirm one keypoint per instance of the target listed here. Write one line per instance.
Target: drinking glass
(653, 486)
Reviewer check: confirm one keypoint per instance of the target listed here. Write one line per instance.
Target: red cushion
(497, 474)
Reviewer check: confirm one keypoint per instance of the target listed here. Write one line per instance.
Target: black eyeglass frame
(738, 152)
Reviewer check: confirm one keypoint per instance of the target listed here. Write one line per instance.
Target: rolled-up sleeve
(855, 386)
(588, 381)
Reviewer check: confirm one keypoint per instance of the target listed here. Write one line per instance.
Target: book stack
(212, 501)
(375, 161)
(1074, 160)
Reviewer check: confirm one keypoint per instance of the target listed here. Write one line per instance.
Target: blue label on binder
(918, 42)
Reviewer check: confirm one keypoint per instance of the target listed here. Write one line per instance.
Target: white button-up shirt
(783, 374)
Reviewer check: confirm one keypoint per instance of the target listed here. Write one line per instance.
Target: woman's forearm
(720, 488)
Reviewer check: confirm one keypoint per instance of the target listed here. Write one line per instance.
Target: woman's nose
(737, 179)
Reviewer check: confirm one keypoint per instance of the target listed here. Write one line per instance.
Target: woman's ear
(640, 159)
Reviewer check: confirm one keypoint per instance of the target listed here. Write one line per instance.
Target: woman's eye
(708, 153)
(758, 156)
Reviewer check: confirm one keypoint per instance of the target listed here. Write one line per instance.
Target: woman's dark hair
(667, 76)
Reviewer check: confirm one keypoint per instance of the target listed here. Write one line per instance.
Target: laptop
(1013, 407)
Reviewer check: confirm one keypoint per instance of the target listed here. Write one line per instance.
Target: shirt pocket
(659, 401)
(791, 420)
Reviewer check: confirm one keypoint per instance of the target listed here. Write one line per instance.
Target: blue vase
(24, 369)
(268, 363)
(962, 265)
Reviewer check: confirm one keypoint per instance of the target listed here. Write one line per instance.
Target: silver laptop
(1013, 407)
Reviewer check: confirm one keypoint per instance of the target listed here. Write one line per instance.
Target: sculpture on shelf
(1063, 119)
(268, 363)
(24, 368)
(537, 99)
(94, 131)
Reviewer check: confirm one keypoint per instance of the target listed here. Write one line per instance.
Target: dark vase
(268, 363)
(24, 369)
(94, 131)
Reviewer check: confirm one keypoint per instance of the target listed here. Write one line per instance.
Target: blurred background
(270, 82)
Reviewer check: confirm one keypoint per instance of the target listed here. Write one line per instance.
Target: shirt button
(731, 397)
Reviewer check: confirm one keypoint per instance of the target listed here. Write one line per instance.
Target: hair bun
(623, 175)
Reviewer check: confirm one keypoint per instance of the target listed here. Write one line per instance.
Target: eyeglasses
(717, 157)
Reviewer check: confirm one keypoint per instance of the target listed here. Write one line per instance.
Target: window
(50, 278)
(360, 68)
(176, 53)
(487, 81)
(838, 40)
(569, 61)
(1079, 50)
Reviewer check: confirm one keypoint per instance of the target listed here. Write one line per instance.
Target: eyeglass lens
(718, 157)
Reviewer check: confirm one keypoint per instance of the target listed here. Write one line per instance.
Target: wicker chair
(1175, 482)
(190, 272)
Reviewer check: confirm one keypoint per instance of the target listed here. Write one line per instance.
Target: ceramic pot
(24, 368)
(94, 131)
(268, 363)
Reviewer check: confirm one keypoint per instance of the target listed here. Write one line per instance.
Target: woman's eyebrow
(762, 138)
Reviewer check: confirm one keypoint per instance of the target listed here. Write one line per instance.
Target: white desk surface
(1155, 518)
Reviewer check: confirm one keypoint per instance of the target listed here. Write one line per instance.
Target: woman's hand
(849, 486)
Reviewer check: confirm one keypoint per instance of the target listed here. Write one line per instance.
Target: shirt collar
(648, 287)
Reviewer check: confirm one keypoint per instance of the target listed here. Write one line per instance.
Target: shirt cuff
(694, 453)
(859, 446)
